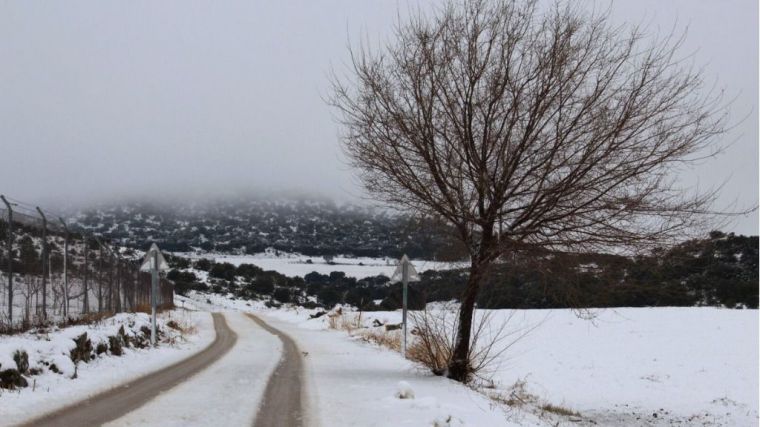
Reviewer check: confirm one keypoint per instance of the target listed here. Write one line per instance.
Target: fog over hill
(309, 226)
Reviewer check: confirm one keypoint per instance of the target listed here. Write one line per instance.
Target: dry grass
(352, 323)
(518, 397)
(559, 410)
(383, 338)
(340, 320)
(515, 396)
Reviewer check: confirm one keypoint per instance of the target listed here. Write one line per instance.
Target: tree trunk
(459, 365)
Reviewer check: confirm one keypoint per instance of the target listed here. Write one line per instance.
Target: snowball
(404, 390)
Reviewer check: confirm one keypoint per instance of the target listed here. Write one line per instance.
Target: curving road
(281, 405)
(121, 400)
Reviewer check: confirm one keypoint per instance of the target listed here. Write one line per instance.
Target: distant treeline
(721, 270)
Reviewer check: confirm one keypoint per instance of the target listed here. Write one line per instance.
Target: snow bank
(49, 390)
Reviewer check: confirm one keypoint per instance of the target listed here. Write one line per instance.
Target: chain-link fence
(51, 274)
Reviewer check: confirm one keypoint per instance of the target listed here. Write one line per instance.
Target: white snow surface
(627, 366)
(296, 264)
(226, 393)
(353, 384)
(50, 391)
(349, 383)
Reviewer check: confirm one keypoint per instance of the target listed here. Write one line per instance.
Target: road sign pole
(153, 286)
(404, 273)
(405, 281)
(153, 263)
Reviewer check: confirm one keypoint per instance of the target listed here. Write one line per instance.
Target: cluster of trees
(721, 270)
(313, 228)
(313, 290)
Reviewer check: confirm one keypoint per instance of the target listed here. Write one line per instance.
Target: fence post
(100, 275)
(10, 259)
(65, 269)
(110, 281)
(117, 307)
(45, 257)
(86, 297)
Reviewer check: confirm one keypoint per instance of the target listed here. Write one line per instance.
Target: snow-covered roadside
(627, 366)
(349, 383)
(49, 391)
(207, 399)
(353, 384)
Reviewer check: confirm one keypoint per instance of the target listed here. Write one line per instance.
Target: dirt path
(119, 401)
(281, 406)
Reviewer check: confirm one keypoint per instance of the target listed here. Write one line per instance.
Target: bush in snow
(82, 351)
(22, 361)
(11, 379)
(101, 348)
(435, 332)
(116, 344)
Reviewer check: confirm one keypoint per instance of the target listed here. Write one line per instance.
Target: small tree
(524, 129)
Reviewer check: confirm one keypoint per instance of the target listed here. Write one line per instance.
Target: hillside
(310, 227)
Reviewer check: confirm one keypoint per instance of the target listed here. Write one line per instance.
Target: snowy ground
(297, 265)
(639, 367)
(635, 366)
(631, 366)
(49, 390)
(352, 384)
(206, 399)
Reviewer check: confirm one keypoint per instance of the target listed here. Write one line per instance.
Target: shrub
(22, 360)
(11, 379)
(125, 339)
(115, 345)
(101, 348)
(272, 304)
(435, 337)
(282, 295)
(82, 350)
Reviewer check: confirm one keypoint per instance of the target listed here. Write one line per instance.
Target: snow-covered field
(630, 366)
(50, 390)
(298, 265)
(634, 366)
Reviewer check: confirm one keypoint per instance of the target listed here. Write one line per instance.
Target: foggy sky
(107, 99)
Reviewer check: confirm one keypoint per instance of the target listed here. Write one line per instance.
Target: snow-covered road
(226, 393)
(129, 396)
(224, 384)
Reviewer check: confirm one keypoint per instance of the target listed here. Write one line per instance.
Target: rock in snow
(404, 390)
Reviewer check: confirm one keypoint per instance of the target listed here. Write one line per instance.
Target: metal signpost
(154, 262)
(404, 273)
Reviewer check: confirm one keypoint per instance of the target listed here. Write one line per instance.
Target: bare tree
(525, 128)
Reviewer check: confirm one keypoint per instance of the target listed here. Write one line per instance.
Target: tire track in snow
(281, 405)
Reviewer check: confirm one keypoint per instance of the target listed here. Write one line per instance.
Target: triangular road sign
(148, 260)
(398, 275)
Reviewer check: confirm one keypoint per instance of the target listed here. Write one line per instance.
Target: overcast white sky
(99, 99)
